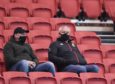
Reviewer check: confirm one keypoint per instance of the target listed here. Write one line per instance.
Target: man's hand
(32, 64)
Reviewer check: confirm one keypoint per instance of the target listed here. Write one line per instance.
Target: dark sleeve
(35, 59)
(9, 54)
(52, 55)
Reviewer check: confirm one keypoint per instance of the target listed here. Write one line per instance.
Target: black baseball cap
(20, 30)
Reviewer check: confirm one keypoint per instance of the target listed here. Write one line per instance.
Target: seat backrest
(71, 8)
(68, 78)
(2, 25)
(91, 51)
(51, 3)
(14, 22)
(41, 51)
(34, 33)
(2, 81)
(108, 51)
(40, 24)
(7, 34)
(110, 77)
(90, 5)
(96, 78)
(18, 10)
(85, 37)
(109, 6)
(16, 78)
(24, 1)
(41, 39)
(109, 65)
(5, 1)
(42, 78)
(3, 10)
(41, 10)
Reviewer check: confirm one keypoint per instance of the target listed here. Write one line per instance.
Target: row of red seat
(60, 78)
(48, 8)
(92, 9)
(26, 10)
(52, 4)
(34, 23)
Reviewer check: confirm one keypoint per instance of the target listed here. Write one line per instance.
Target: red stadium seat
(109, 7)
(68, 78)
(16, 78)
(70, 8)
(7, 34)
(41, 51)
(90, 5)
(91, 51)
(93, 78)
(2, 25)
(51, 3)
(39, 37)
(84, 37)
(41, 24)
(2, 38)
(55, 35)
(42, 78)
(14, 22)
(2, 81)
(3, 10)
(110, 77)
(98, 62)
(108, 51)
(18, 10)
(109, 65)
(24, 1)
(58, 22)
(5, 1)
(41, 10)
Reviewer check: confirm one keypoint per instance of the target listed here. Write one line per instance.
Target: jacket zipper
(73, 51)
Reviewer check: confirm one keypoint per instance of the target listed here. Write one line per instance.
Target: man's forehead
(64, 29)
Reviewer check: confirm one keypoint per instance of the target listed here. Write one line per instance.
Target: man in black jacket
(66, 56)
(19, 55)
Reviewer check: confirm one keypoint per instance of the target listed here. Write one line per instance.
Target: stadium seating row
(81, 9)
(26, 10)
(34, 23)
(92, 9)
(51, 3)
(60, 78)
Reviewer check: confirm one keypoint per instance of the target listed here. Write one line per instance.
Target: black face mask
(65, 37)
(22, 39)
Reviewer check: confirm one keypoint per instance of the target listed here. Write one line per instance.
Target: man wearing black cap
(19, 55)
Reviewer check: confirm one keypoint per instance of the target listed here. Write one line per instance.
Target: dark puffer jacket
(65, 53)
(14, 52)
